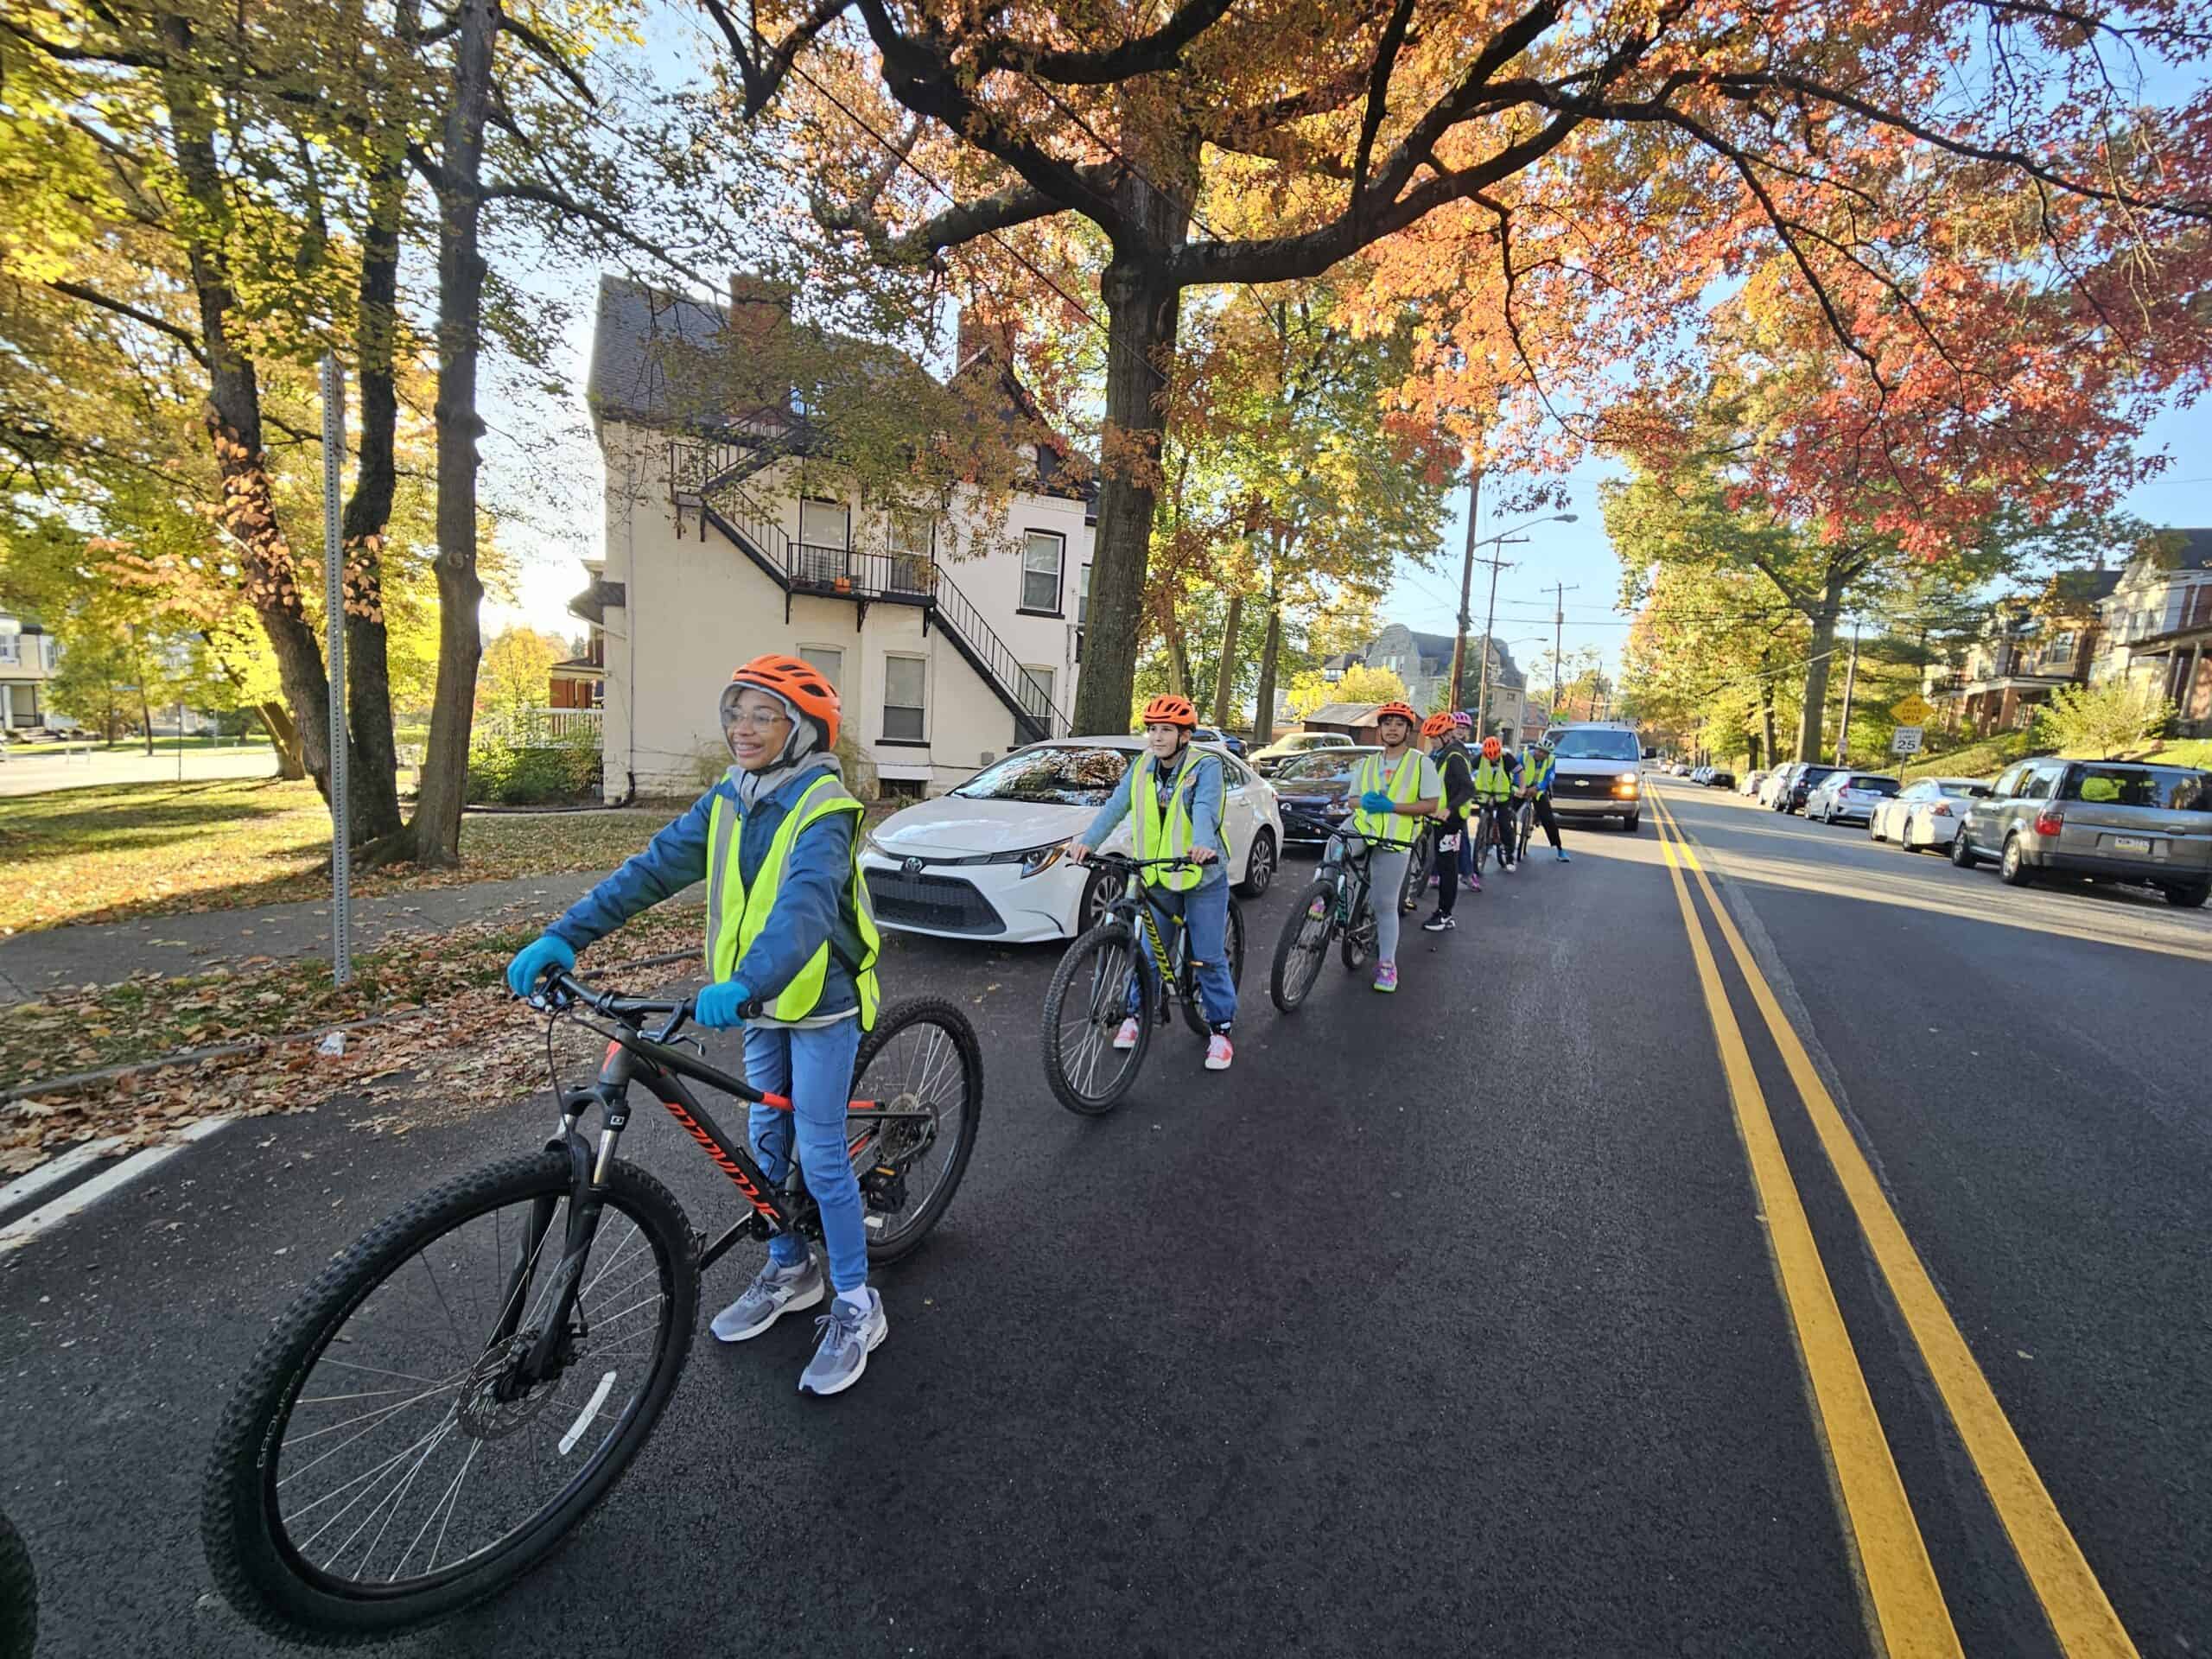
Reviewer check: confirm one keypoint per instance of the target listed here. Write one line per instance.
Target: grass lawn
(104, 854)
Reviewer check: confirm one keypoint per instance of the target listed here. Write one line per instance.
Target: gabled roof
(1345, 713)
(2180, 549)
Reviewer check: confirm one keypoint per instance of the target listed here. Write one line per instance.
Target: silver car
(1778, 781)
(1843, 795)
(2104, 820)
(1925, 814)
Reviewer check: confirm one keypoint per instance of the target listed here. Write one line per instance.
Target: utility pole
(1489, 621)
(1466, 578)
(333, 580)
(1850, 677)
(1560, 591)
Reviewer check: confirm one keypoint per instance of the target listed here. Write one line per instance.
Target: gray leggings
(1387, 871)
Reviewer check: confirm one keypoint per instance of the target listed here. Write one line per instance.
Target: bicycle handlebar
(1123, 862)
(560, 990)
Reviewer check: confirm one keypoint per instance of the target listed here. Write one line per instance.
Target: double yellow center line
(1907, 1602)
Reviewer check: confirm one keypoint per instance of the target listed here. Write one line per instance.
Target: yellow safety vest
(736, 912)
(1493, 779)
(1535, 771)
(1404, 788)
(1169, 834)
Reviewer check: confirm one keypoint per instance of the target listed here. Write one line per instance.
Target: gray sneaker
(773, 1292)
(847, 1338)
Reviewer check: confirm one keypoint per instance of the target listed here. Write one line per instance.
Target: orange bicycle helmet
(799, 684)
(1403, 711)
(1493, 748)
(1438, 726)
(1169, 709)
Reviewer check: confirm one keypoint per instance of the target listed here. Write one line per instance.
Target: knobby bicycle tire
(18, 1595)
(1291, 981)
(1075, 965)
(893, 1023)
(256, 1567)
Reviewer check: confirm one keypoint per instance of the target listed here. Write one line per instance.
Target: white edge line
(58, 1169)
(77, 1199)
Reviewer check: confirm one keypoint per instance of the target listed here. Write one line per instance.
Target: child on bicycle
(1497, 775)
(791, 956)
(1398, 789)
(1173, 796)
(1458, 772)
(1536, 773)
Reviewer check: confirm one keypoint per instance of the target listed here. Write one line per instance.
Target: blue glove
(1375, 801)
(717, 1007)
(534, 959)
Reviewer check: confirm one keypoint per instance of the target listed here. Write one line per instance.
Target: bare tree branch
(963, 222)
(183, 337)
(546, 53)
(765, 70)
(1378, 95)
(1145, 55)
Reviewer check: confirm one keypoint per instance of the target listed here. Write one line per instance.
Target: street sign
(1905, 740)
(1915, 710)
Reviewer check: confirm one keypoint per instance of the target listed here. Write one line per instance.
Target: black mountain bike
(1335, 906)
(1099, 984)
(1524, 821)
(454, 1393)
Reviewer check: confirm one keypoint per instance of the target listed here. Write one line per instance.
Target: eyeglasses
(760, 719)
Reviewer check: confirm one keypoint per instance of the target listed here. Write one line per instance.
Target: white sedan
(985, 860)
(1842, 796)
(1927, 815)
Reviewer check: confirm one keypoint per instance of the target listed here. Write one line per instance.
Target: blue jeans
(813, 1066)
(1204, 911)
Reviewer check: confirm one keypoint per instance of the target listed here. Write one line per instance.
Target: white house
(27, 662)
(950, 640)
(2158, 625)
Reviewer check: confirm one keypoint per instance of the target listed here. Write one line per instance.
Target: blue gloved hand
(1375, 801)
(531, 962)
(717, 1007)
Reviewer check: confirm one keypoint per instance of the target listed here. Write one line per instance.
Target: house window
(912, 539)
(905, 699)
(830, 661)
(1042, 554)
(10, 652)
(1037, 691)
(1083, 597)
(824, 541)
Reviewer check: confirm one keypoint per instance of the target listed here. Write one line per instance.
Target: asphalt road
(1445, 1324)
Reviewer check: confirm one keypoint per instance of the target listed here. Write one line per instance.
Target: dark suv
(2104, 820)
(1807, 780)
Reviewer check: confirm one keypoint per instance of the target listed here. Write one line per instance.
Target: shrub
(536, 774)
(2101, 720)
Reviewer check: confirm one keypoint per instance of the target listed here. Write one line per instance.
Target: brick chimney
(759, 306)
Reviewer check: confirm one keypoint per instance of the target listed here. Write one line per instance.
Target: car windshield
(1586, 745)
(2174, 789)
(1876, 784)
(1318, 767)
(1051, 777)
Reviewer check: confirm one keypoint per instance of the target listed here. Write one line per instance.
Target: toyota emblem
(912, 867)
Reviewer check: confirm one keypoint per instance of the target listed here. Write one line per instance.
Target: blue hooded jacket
(1206, 799)
(814, 903)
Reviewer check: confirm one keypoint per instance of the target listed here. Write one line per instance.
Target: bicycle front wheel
(384, 1463)
(1303, 945)
(1095, 988)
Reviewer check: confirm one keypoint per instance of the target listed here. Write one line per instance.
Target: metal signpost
(334, 607)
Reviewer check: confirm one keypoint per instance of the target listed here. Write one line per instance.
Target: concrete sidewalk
(38, 770)
(31, 964)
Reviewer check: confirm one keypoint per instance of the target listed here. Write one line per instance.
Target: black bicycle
(454, 1393)
(1100, 983)
(1334, 906)
(1524, 821)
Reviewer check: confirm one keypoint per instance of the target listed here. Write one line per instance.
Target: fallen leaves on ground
(459, 1033)
(152, 850)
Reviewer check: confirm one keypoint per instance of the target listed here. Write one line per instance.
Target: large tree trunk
(1811, 718)
(436, 826)
(373, 793)
(1766, 710)
(233, 415)
(1179, 651)
(1142, 307)
(1224, 678)
(284, 738)
(1263, 708)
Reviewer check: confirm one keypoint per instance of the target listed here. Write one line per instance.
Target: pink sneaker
(1474, 884)
(1220, 1053)
(1126, 1036)
(1386, 976)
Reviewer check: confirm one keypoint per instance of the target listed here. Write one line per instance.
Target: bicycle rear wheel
(1303, 944)
(379, 1467)
(924, 1069)
(1418, 860)
(1193, 1005)
(1084, 1007)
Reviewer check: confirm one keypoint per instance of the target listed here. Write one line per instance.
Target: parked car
(2103, 820)
(1809, 777)
(1773, 790)
(986, 860)
(1228, 741)
(1750, 782)
(1719, 778)
(1296, 743)
(1312, 791)
(1598, 773)
(1849, 797)
(1940, 804)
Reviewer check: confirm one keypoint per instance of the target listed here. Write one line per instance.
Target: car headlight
(1625, 778)
(1038, 860)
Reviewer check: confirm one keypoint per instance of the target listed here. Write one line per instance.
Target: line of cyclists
(790, 949)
